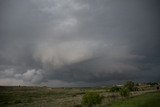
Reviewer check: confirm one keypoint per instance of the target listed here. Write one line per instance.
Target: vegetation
(115, 89)
(152, 83)
(90, 99)
(23, 96)
(124, 92)
(147, 100)
(129, 85)
(39, 96)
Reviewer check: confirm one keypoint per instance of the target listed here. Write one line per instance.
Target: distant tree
(115, 89)
(157, 87)
(124, 92)
(135, 88)
(129, 85)
(152, 83)
(136, 84)
(91, 98)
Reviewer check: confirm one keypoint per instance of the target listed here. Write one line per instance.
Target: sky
(70, 43)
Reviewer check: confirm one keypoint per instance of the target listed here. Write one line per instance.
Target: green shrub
(115, 89)
(135, 89)
(90, 99)
(124, 92)
(17, 101)
(129, 85)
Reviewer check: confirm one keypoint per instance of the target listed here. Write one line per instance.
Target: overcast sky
(79, 42)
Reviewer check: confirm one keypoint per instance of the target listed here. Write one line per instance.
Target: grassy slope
(42, 96)
(19, 97)
(147, 100)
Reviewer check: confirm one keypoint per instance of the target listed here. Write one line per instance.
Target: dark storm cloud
(78, 42)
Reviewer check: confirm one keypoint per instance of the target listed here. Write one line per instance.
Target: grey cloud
(78, 42)
(32, 75)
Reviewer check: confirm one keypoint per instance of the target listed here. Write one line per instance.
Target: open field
(67, 97)
(39, 96)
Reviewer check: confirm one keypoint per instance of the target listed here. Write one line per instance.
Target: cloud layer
(79, 43)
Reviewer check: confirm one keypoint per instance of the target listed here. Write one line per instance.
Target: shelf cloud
(79, 43)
